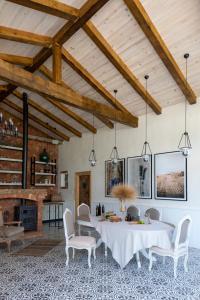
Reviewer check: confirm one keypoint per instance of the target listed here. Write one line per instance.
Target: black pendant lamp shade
(146, 150)
(184, 144)
(114, 156)
(92, 156)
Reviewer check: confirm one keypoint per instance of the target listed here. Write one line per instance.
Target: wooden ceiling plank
(160, 47)
(86, 12)
(45, 71)
(47, 113)
(115, 59)
(69, 59)
(51, 7)
(13, 34)
(57, 63)
(17, 76)
(20, 110)
(17, 59)
(39, 121)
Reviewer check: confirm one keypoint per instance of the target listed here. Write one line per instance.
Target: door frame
(77, 184)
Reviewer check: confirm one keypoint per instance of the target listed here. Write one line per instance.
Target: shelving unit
(10, 169)
(50, 176)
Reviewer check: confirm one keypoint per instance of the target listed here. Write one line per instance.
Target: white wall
(164, 134)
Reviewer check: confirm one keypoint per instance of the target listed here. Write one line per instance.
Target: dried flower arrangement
(123, 193)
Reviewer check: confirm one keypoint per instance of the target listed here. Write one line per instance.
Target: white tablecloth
(124, 240)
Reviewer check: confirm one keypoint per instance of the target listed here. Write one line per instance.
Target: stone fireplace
(9, 198)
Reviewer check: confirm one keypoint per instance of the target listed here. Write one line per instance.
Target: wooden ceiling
(70, 55)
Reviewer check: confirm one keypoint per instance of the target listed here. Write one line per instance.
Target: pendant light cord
(93, 133)
(115, 91)
(186, 71)
(146, 121)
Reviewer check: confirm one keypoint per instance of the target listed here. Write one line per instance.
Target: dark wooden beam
(52, 7)
(17, 59)
(57, 63)
(160, 47)
(115, 59)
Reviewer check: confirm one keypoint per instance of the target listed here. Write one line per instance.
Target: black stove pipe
(25, 141)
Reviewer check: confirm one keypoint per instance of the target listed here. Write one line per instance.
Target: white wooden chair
(153, 214)
(133, 211)
(178, 248)
(83, 219)
(76, 242)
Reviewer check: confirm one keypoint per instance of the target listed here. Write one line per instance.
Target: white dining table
(125, 239)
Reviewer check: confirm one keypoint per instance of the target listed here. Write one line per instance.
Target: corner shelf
(43, 163)
(37, 166)
(11, 147)
(10, 172)
(10, 184)
(10, 159)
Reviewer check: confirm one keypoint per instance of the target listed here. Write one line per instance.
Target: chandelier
(146, 150)
(184, 144)
(7, 127)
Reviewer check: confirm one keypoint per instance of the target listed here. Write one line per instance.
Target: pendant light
(92, 156)
(146, 150)
(114, 156)
(185, 145)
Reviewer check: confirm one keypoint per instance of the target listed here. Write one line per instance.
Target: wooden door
(83, 188)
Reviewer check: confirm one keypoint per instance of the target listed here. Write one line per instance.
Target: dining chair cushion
(10, 231)
(84, 210)
(84, 218)
(82, 241)
(70, 223)
(152, 213)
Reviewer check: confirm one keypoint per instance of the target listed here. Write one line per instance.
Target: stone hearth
(37, 195)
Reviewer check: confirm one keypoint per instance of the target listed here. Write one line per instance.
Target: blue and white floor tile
(47, 278)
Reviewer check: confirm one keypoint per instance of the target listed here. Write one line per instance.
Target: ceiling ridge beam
(119, 64)
(47, 113)
(38, 121)
(46, 72)
(17, 76)
(156, 40)
(13, 34)
(51, 7)
(17, 59)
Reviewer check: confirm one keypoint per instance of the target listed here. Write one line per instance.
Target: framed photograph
(139, 175)
(64, 180)
(114, 175)
(170, 176)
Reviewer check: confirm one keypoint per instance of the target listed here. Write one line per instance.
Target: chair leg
(175, 266)
(73, 252)
(89, 257)
(138, 259)
(9, 245)
(150, 260)
(94, 252)
(67, 255)
(79, 230)
(106, 251)
(186, 263)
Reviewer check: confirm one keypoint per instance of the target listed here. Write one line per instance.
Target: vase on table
(123, 208)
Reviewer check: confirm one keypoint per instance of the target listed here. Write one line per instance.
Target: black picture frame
(166, 190)
(109, 169)
(141, 173)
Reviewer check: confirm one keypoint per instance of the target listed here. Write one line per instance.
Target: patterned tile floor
(44, 278)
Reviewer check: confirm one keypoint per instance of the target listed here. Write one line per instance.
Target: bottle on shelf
(103, 210)
(99, 209)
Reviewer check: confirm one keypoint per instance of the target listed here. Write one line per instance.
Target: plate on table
(115, 219)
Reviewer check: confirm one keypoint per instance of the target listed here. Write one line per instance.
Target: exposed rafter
(57, 63)
(69, 59)
(48, 114)
(86, 12)
(52, 7)
(115, 59)
(160, 47)
(17, 76)
(17, 59)
(22, 36)
(45, 71)
(37, 120)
